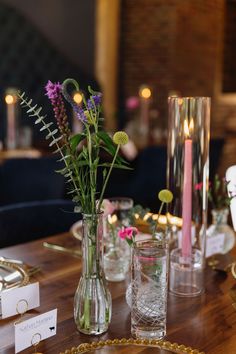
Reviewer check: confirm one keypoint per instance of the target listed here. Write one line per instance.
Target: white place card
(19, 300)
(214, 244)
(35, 330)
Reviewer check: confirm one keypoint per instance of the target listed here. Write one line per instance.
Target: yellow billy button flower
(165, 196)
(120, 138)
(88, 116)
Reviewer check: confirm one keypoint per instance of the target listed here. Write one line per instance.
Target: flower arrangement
(92, 302)
(217, 193)
(80, 166)
(129, 233)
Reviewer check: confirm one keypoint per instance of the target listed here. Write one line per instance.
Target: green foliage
(80, 153)
(217, 193)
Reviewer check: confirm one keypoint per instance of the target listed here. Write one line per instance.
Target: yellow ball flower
(165, 196)
(120, 138)
(88, 116)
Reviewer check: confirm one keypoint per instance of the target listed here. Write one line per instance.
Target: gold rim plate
(133, 346)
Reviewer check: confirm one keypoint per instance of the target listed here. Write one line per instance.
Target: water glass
(149, 289)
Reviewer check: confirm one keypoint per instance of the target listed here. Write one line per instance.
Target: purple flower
(95, 100)
(80, 113)
(54, 93)
(53, 90)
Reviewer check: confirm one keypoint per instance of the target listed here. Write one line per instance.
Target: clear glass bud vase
(220, 233)
(92, 302)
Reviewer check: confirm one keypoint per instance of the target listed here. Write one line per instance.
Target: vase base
(115, 278)
(93, 332)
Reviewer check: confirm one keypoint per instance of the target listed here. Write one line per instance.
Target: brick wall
(172, 45)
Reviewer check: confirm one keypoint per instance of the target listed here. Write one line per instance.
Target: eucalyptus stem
(107, 178)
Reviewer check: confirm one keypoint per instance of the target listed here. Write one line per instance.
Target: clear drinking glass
(149, 289)
(187, 176)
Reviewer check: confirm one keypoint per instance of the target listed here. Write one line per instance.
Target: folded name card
(215, 244)
(34, 330)
(19, 300)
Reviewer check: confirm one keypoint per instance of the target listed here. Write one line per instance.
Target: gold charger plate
(133, 346)
(12, 275)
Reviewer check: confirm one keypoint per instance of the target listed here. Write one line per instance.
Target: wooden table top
(19, 153)
(207, 322)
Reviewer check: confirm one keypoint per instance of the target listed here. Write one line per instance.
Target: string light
(145, 92)
(78, 98)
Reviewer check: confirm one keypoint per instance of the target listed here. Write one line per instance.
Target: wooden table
(19, 153)
(207, 322)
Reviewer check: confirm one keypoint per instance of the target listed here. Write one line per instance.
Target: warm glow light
(145, 92)
(147, 216)
(188, 128)
(112, 219)
(162, 219)
(191, 125)
(9, 99)
(78, 97)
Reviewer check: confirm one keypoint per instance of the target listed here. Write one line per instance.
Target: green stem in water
(159, 213)
(107, 178)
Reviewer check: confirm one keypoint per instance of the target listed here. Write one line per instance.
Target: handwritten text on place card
(35, 329)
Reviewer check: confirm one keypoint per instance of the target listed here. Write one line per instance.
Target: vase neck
(92, 244)
(220, 216)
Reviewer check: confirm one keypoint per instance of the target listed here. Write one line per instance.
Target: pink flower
(198, 186)
(127, 232)
(132, 103)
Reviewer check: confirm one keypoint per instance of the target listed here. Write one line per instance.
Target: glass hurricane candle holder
(187, 176)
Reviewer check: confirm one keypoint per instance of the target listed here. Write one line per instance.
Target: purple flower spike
(53, 90)
(54, 93)
(96, 100)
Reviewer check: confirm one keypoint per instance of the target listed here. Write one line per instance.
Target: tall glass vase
(92, 302)
(188, 165)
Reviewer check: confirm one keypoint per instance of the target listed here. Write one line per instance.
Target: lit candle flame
(112, 219)
(188, 128)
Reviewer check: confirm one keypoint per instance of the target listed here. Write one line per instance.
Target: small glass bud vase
(116, 260)
(220, 235)
(117, 251)
(92, 301)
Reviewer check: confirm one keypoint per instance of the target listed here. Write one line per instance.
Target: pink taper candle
(187, 200)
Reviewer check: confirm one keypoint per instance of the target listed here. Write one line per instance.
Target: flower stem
(159, 213)
(107, 178)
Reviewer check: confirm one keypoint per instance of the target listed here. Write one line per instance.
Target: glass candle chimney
(187, 178)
